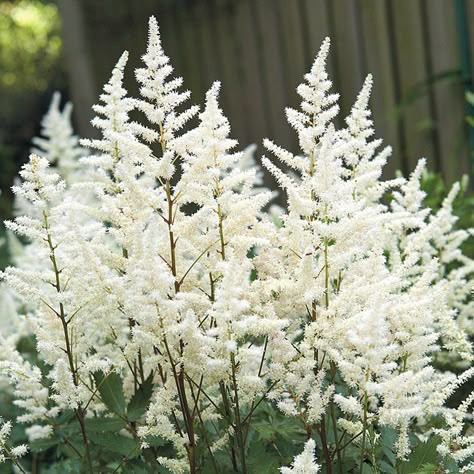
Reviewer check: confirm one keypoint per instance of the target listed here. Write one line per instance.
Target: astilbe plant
(60, 146)
(178, 329)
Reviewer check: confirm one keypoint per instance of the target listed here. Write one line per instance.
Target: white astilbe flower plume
(318, 107)
(119, 135)
(213, 180)
(161, 95)
(39, 187)
(58, 143)
(8, 452)
(29, 388)
(60, 146)
(420, 234)
(457, 437)
(364, 164)
(374, 324)
(304, 463)
(46, 286)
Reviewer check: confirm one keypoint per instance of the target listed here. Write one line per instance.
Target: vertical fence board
(230, 69)
(470, 23)
(347, 52)
(172, 42)
(377, 52)
(316, 26)
(411, 72)
(448, 91)
(260, 50)
(191, 51)
(251, 89)
(218, 70)
(292, 53)
(276, 88)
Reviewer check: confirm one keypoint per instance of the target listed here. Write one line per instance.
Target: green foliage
(30, 48)
(30, 44)
(103, 424)
(110, 387)
(423, 459)
(421, 89)
(273, 437)
(436, 190)
(140, 400)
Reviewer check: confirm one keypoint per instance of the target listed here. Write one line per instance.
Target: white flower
(304, 463)
(58, 143)
(6, 451)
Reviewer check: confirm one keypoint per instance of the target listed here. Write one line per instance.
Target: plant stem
(323, 423)
(334, 425)
(179, 377)
(204, 434)
(238, 424)
(79, 411)
(80, 417)
(364, 433)
(225, 401)
(326, 271)
(324, 442)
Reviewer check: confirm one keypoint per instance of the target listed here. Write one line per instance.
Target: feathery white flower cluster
(457, 437)
(172, 275)
(304, 463)
(362, 278)
(7, 452)
(60, 147)
(58, 143)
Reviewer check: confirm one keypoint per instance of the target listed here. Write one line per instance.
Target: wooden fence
(260, 49)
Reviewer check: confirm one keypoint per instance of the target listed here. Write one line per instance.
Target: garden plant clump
(170, 324)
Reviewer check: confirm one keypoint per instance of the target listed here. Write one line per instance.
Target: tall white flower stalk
(219, 235)
(61, 340)
(60, 146)
(357, 321)
(304, 463)
(57, 142)
(7, 452)
(209, 219)
(166, 270)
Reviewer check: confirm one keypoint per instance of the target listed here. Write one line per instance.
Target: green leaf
(470, 120)
(140, 400)
(155, 441)
(425, 454)
(387, 468)
(65, 416)
(367, 469)
(451, 466)
(103, 424)
(63, 467)
(40, 445)
(116, 444)
(73, 447)
(5, 468)
(470, 97)
(137, 467)
(388, 439)
(262, 460)
(273, 428)
(427, 469)
(110, 388)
